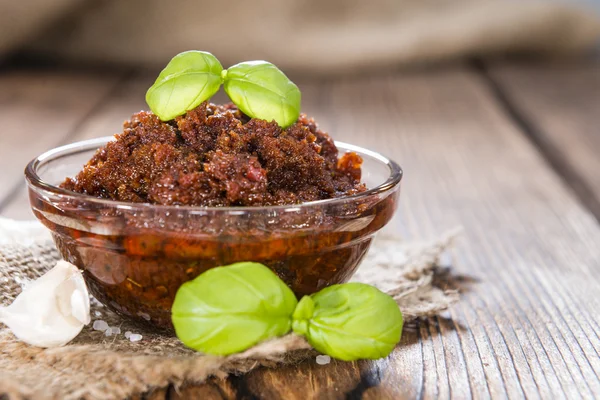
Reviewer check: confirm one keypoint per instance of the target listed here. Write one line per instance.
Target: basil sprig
(189, 79)
(349, 322)
(262, 91)
(229, 309)
(258, 88)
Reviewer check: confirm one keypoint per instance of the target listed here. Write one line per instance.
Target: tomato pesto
(216, 156)
(191, 159)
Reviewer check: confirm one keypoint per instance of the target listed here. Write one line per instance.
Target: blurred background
(307, 36)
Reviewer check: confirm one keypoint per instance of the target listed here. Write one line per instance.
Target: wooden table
(510, 152)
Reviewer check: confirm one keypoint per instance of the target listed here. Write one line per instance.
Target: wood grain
(560, 104)
(76, 120)
(528, 265)
(40, 109)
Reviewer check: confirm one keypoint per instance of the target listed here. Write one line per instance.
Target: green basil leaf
(189, 79)
(262, 91)
(228, 309)
(349, 322)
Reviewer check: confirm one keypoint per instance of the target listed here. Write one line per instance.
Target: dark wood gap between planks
(553, 156)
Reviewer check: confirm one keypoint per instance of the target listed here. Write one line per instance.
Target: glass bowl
(135, 256)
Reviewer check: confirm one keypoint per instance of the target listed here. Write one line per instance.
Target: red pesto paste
(214, 155)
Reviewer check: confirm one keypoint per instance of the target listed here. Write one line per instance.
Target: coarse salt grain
(100, 325)
(144, 315)
(127, 334)
(135, 337)
(115, 330)
(108, 332)
(97, 313)
(323, 360)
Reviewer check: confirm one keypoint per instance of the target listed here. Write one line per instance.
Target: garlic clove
(73, 298)
(80, 306)
(52, 310)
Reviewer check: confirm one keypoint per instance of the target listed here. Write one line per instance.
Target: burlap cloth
(309, 36)
(96, 366)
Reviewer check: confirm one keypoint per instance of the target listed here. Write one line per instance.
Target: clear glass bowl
(135, 256)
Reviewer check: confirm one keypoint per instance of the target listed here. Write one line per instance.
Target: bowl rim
(36, 183)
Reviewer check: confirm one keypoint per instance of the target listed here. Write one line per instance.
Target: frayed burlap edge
(96, 367)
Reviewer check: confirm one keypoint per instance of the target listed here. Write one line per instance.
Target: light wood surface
(528, 265)
(561, 106)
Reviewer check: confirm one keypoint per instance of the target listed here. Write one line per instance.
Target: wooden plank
(105, 119)
(560, 105)
(528, 321)
(40, 109)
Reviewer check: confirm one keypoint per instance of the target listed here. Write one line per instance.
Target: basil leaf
(349, 322)
(189, 79)
(228, 309)
(261, 90)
